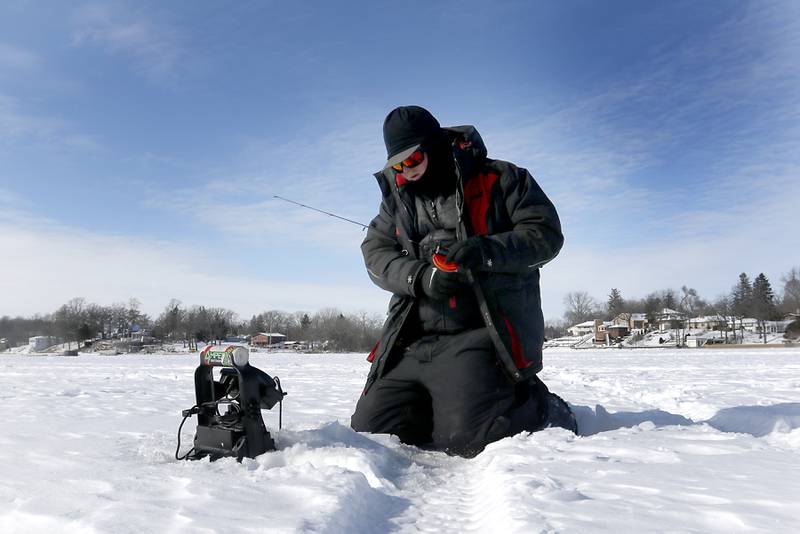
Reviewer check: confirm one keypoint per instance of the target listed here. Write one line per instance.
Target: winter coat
(498, 200)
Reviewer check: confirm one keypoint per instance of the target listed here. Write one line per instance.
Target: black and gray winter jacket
(495, 199)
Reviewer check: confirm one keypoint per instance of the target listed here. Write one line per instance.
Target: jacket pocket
(503, 282)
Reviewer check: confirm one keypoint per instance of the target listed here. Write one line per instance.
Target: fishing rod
(363, 226)
(438, 256)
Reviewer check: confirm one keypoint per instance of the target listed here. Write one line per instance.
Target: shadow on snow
(758, 421)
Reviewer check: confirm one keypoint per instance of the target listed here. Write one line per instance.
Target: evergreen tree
(305, 322)
(616, 304)
(741, 302)
(669, 299)
(743, 296)
(256, 325)
(763, 302)
(763, 296)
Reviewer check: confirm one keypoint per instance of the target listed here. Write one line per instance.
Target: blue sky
(141, 143)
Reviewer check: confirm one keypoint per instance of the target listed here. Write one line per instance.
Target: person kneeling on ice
(459, 240)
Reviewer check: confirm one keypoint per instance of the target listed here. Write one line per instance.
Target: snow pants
(448, 393)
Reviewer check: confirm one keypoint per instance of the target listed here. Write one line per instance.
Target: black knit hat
(405, 129)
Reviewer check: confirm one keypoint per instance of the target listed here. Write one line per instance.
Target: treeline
(754, 298)
(79, 320)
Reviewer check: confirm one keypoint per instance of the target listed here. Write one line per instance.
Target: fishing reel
(436, 245)
(228, 410)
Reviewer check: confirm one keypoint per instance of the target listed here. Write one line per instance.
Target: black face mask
(440, 176)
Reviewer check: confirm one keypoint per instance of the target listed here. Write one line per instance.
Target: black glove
(468, 254)
(441, 285)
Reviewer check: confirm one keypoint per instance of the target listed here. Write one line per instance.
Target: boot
(555, 411)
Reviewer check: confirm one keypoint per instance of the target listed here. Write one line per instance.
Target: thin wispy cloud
(11, 204)
(107, 268)
(16, 58)
(154, 47)
(325, 171)
(20, 127)
(705, 96)
(692, 94)
(671, 147)
(755, 240)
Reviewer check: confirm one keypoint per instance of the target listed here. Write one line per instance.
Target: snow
(672, 440)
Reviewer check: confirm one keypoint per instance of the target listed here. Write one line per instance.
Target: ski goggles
(416, 157)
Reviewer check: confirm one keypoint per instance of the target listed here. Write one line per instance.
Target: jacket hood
(471, 142)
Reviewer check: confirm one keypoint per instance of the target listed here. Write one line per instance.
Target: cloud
(48, 264)
(724, 100)
(13, 57)
(330, 171)
(155, 47)
(723, 111)
(578, 157)
(724, 95)
(18, 126)
(11, 204)
(707, 251)
(238, 223)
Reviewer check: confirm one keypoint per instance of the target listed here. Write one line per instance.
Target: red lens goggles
(411, 161)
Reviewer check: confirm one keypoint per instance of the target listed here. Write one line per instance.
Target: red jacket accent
(516, 349)
(373, 351)
(477, 197)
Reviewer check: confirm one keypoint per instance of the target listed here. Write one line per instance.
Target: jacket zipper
(460, 230)
(403, 203)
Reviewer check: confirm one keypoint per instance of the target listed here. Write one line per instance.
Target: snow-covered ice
(672, 440)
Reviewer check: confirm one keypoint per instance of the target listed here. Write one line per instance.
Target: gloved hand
(468, 254)
(441, 285)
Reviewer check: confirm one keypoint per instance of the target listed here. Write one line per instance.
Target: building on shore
(267, 339)
(40, 343)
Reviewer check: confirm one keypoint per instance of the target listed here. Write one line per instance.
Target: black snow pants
(447, 392)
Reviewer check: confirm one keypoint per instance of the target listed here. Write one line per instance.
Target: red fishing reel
(440, 263)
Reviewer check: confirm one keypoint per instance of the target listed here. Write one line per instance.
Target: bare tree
(18, 330)
(722, 307)
(69, 319)
(170, 322)
(98, 318)
(790, 303)
(690, 302)
(652, 309)
(580, 307)
(669, 299)
(555, 329)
